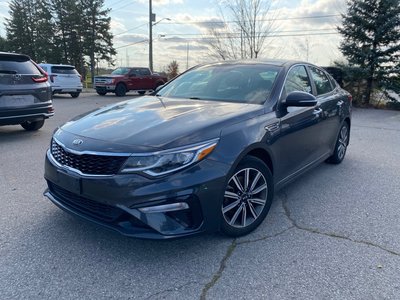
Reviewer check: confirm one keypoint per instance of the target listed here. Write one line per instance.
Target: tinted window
(63, 70)
(224, 82)
(297, 80)
(18, 65)
(321, 81)
(121, 71)
(144, 72)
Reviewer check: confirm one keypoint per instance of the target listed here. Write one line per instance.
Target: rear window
(63, 70)
(17, 65)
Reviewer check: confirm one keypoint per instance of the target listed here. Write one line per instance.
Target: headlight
(168, 161)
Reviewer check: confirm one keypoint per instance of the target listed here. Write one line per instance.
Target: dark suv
(25, 94)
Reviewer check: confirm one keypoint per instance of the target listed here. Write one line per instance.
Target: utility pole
(152, 18)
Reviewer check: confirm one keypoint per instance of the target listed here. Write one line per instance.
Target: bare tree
(244, 35)
(172, 69)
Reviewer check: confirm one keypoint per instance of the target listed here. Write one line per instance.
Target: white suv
(64, 79)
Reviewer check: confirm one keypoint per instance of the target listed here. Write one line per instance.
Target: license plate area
(69, 182)
(16, 100)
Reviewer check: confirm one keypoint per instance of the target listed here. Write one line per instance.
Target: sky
(302, 29)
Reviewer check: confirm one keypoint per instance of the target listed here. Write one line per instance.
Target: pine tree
(371, 39)
(20, 27)
(45, 41)
(97, 37)
(3, 44)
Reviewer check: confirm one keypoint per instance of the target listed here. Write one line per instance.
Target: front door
(298, 144)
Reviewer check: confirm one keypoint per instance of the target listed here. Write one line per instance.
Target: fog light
(164, 208)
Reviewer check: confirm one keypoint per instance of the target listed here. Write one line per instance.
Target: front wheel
(101, 93)
(247, 198)
(120, 90)
(341, 145)
(32, 125)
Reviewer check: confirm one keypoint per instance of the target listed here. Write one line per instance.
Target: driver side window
(297, 80)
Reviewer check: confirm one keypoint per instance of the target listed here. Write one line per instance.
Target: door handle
(317, 112)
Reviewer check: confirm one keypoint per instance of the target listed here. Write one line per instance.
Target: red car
(122, 80)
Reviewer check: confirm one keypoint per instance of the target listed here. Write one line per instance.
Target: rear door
(329, 102)
(146, 79)
(22, 84)
(65, 77)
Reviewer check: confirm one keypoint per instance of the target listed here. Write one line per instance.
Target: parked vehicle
(25, 95)
(122, 80)
(64, 79)
(205, 153)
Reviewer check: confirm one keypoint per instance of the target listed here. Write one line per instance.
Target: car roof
(56, 65)
(15, 55)
(273, 62)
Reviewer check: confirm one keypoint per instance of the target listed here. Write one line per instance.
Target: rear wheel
(75, 95)
(120, 90)
(32, 125)
(248, 197)
(341, 145)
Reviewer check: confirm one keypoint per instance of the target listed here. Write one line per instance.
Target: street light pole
(150, 36)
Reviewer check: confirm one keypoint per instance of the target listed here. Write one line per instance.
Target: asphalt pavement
(332, 234)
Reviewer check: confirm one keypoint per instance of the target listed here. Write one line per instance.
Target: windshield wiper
(195, 98)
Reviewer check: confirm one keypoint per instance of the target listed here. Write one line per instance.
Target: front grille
(89, 207)
(87, 163)
(102, 80)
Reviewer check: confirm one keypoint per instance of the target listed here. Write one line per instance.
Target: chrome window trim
(287, 73)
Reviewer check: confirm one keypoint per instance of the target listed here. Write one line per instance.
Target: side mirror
(300, 99)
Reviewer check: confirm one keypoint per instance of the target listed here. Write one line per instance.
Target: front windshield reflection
(244, 83)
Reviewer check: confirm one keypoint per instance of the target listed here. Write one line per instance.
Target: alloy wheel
(245, 197)
(343, 141)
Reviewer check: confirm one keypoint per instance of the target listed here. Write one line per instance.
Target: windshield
(121, 71)
(246, 83)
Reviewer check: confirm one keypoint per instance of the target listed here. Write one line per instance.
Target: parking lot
(332, 234)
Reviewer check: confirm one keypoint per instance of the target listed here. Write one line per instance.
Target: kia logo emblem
(77, 142)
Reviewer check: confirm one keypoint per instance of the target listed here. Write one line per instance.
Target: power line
(270, 20)
(238, 33)
(130, 29)
(135, 43)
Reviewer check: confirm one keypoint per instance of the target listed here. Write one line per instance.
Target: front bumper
(105, 88)
(117, 201)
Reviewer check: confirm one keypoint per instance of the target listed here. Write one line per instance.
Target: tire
(141, 92)
(101, 93)
(341, 145)
(75, 95)
(245, 206)
(32, 126)
(120, 90)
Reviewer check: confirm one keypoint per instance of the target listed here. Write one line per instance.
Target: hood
(110, 76)
(159, 123)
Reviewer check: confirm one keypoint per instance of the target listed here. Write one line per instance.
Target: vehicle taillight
(52, 76)
(81, 78)
(40, 78)
(350, 98)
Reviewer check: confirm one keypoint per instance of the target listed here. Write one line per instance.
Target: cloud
(131, 38)
(191, 48)
(162, 2)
